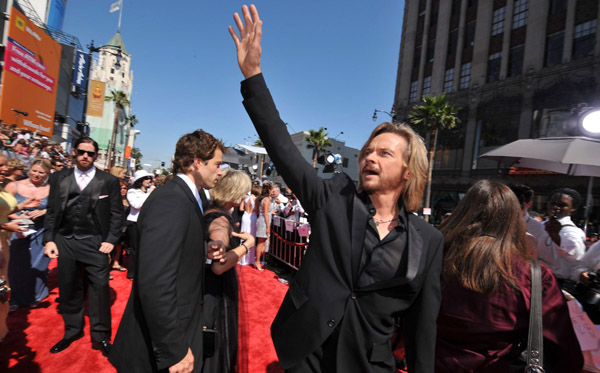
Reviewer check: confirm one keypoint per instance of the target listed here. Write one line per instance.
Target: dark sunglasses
(82, 152)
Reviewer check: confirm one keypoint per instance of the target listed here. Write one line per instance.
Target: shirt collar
(91, 172)
(402, 218)
(190, 183)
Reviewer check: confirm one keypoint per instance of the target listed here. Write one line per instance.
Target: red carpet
(34, 331)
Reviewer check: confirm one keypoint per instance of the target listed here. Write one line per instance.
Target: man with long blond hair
(371, 262)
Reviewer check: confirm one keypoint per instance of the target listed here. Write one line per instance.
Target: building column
(508, 15)
(424, 49)
(470, 131)
(460, 45)
(569, 31)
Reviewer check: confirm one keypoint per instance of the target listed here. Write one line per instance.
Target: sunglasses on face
(82, 152)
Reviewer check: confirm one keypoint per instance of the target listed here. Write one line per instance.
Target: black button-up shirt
(382, 259)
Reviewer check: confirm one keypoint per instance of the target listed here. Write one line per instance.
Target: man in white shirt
(569, 239)
(536, 234)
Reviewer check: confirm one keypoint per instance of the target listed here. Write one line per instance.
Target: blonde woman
(220, 300)
(28, 271)
(8, 204)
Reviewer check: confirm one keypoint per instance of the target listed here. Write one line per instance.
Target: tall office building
(517, 68)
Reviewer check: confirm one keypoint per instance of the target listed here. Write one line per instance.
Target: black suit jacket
(324, 294)
(107, 208)
(164, 312)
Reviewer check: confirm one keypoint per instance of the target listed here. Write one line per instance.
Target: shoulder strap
(535, 355)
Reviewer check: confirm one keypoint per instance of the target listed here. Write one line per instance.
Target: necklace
(379, 221)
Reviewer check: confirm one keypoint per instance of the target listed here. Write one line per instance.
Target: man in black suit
(82, 225)
(161, 327)
(371, 262)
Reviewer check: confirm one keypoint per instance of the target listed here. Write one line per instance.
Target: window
(557, 6)
(434, 14)
(465, 76)
(412, 96)
(112, 71)
(519, 14)
(122, 75)
(554, 48)
(430, 50)
(584, 39)
(498, 21)
(421, 23)
(448, 80)
(427, 85)
(494, 67)
(456, 7)
(452, 41)
(470, 34)
(515, 63)
(417, 57)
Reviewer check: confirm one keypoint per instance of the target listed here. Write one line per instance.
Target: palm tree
(121, 102)
(434, 114)
(259, 142)
(133, 120)
(318, 141)
(137, 155)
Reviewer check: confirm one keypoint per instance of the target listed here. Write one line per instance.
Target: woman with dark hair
(220, 308)
(136, 196)
(118, 251)
(486, 289)
(28, 270)
(263, 222)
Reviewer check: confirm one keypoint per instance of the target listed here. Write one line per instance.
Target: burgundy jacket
(479, 332)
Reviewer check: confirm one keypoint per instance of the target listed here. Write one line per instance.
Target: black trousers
(80, 263)
(132, 232)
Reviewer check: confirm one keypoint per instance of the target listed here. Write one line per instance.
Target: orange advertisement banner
(96, 98)
(127, 152)
(30, 76)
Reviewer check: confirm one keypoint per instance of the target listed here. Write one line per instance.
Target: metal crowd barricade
(287, 246)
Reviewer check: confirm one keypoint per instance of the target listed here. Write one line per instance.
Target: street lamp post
(392, 114)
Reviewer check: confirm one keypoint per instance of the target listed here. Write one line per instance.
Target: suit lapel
(360, 216)
(65, 186)
(179, 181)
(95, 186)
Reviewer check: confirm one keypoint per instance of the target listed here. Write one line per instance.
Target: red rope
(289, 242)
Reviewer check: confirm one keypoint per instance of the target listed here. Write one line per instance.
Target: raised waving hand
(248, 42)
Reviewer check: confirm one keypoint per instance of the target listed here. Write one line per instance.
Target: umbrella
(576, 156)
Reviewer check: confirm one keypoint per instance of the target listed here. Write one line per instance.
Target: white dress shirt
(89, 175)
(570, 251)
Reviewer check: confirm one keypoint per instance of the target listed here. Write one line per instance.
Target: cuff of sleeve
(253, 86)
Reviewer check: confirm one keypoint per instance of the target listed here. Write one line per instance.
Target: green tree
(137, 155)
(259, 142)
(133, 120)
(121, 102)
(318, 141)
(435, 114)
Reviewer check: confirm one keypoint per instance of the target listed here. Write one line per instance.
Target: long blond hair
(415, 160)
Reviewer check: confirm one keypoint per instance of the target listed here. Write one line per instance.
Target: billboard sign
(30, 77)
(96, 98)
(81, 70)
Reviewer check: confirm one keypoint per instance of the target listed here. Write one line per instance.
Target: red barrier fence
(287, 245)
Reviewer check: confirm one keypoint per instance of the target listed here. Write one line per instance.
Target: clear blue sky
(327, 63)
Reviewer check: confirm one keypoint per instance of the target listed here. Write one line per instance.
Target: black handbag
(531, 360)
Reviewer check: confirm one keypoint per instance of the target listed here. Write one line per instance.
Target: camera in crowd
(587, 294)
